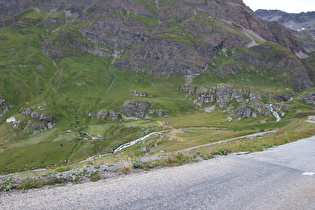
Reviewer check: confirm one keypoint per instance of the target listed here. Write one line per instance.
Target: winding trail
(116, 55)
(129, 144)
(89, 135)
(228, 140)
(57, 72)
(157, 5)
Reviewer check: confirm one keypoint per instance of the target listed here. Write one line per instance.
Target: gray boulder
(243, 112)
(135, 108)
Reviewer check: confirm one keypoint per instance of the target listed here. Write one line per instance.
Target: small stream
(121, 147)
(132, 142)
(270, 108)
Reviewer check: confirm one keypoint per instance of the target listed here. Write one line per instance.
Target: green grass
(35, 156)
(294, 130)
(182, 139)
(88, 83)
(147, 22)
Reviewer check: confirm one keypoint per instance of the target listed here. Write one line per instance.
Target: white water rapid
(132, 142)
(274, 113)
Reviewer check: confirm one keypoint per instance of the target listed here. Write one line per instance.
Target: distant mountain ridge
(302, 24)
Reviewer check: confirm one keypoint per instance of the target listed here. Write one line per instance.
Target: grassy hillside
(74, 86)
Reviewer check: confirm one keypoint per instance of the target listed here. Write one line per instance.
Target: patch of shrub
(219, 152)
(126, 169)
(62, 169)
(6, 184)
(94, 176)
(30, 183)
(77, 176)
(180, 157)
(137, 164)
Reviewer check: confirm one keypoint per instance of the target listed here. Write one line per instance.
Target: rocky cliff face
(302, 25)
(280, 64)
(295, 21)
(286, 38)
(157, 37)
(4, 107)
(220, 38)
(239, 102)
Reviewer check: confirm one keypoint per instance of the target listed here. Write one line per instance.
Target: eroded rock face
(27, 111)
(114, 115)
(102, 114)
(244, 112)
(161, 37)
(300, 24)
(121, 30)
(222, 94)
(308, 98)
(237, 101)
(284, 37)
(135, 108)
(280, 96)
(13, 7)
(4, 106)
(280, 64)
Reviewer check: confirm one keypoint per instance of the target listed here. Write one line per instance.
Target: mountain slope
(82, 77)
(302, 25)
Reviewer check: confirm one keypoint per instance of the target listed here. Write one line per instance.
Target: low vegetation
(64, 87)
(129, 163)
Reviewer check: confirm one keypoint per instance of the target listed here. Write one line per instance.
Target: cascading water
(132, 142)
(274, 113)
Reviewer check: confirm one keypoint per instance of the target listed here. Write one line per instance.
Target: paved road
(273, 179)
(227, 140)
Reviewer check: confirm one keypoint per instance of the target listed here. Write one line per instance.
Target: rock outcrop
(223, 95)
(36, 122)
(244, 112)
(138, 93)
(135, 108)
(285, 37)
(308, 98)
(279, 63)
(4, 107)
(240, 102)
(302, 25)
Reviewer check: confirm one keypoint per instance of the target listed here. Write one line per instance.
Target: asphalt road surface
(279, 178)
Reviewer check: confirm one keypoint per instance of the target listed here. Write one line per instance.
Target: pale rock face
(11, 119)
(209, 109)
(135, 108)
(249, 103)
(308, 98)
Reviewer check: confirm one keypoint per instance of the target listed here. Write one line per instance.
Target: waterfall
(274, 113)
(132, 142)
